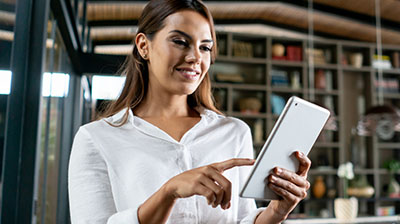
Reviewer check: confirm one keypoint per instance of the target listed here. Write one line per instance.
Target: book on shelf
(279, 78)
(293, 53)
(316, 55)
(382, 63)
(277, 104)
(242, 49)
(388, 85)
(396, 59)
(295, 82)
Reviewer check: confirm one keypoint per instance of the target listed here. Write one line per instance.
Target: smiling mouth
(188, 74)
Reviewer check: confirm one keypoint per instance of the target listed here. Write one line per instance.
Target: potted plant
(394, 188)
(346, 208)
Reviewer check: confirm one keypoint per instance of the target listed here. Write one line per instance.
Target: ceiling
(112, 23)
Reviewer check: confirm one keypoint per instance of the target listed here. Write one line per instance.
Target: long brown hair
(135, 67)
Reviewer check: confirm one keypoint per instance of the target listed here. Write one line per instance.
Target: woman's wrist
(157, 208)
(168, 193)
(270, 215)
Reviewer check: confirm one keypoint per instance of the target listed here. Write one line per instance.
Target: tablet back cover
(297, 129)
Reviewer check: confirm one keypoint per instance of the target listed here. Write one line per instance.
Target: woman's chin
(187, 89)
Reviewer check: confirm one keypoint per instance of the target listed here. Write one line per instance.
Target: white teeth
(188, 72)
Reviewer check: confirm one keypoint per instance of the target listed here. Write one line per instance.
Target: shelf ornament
(346, 208)
(383, 120)
(346, 172)
(393, 166)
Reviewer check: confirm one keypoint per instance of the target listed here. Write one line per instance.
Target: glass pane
(7, 21)
(55, 87)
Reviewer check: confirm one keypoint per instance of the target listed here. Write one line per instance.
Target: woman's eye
(180, 42)
(205, 48)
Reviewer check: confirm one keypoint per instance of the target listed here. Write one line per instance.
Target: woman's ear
(142, 44)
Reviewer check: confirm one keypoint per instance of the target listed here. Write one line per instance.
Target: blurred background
(59, 63)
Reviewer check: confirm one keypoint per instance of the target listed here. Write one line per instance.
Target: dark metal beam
(7, 7)
(101, 63)
(69, 32)
(23, 111)
(112, 23)
(110, 42)
(7, 27)
(5, 47)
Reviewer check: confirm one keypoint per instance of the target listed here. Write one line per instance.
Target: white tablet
(297, 129)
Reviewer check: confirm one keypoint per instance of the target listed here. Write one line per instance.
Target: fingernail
(278, 170)
(301, 154)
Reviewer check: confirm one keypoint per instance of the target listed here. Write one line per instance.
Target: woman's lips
(190, 74)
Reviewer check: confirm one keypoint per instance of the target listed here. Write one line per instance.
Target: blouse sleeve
(90, 195)
(247, 207)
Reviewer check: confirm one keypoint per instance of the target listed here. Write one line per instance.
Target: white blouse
(113, 170)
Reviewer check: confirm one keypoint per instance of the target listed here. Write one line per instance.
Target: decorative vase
(250, 105)
(356, 60)
(278, 50)
(320, 79)
(346, 209)
(394, 188)
(319, 187)
(360, 188)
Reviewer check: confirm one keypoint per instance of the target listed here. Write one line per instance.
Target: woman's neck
(164, 105)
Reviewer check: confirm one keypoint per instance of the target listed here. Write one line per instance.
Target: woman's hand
(291, 186)
(207, 181)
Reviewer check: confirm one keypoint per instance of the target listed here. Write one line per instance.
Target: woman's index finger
(228, 164)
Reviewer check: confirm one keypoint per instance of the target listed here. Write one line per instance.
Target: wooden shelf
(388, 199)
(390, 145)
(319, 199)
(243, 115)
(324, 171)
(383, 171)
(243, 60)
(389, 71)
(285, 90)
(364, 171)
(288, 63)
(391, 95)
(326, 66)
(325, 92)
(327, 145)
(348, 68)
(250, 87)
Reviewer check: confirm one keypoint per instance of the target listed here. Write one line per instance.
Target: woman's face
(180, 53)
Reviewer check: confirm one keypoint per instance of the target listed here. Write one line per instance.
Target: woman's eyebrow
(189, 37)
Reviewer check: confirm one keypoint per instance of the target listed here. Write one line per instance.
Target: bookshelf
(252, 79)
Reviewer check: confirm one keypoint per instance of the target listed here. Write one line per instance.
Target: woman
(163, 152)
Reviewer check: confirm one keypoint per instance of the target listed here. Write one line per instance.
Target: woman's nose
(193, 56)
